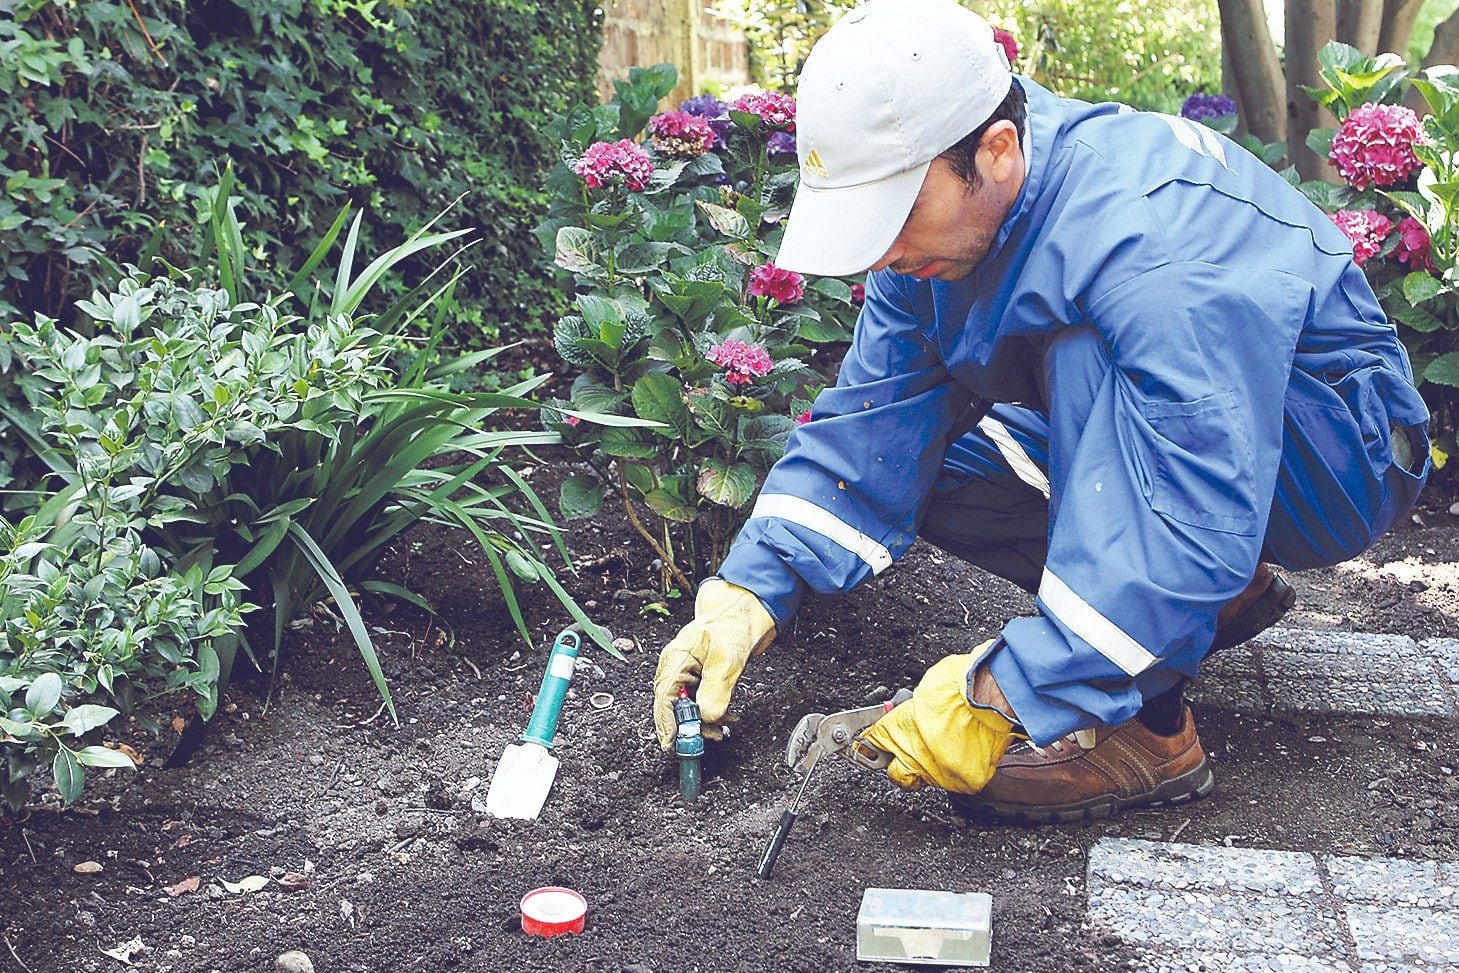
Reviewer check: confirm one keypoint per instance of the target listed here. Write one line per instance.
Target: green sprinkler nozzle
(688, 746)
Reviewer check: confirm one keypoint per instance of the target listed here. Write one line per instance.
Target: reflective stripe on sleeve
(1013, 452)
(1083, 620)
(806, 514)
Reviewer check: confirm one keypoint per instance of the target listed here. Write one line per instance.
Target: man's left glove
(938, 737)
(730, 625)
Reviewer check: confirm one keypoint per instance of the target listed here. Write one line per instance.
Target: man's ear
(999, 155)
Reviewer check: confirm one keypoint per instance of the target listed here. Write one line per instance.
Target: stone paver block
(1240, 910)
(1265, 924)
(1391, 882)
(1223, 692)
(1382, 667)
(1159, 865)
(1335, 643)
(1423, 937)
(1215, 961)
(1290, 670)
(1422, 696)
(1446, 651)
(1237, 662)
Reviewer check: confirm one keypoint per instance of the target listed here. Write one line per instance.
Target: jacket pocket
(1202, 463)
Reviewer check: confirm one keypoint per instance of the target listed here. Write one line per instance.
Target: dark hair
(962, 156)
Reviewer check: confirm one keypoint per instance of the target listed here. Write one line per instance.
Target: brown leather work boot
(1094, 773)
(1255, 610)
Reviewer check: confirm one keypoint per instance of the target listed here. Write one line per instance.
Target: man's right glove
(730, 625)
(937, 737)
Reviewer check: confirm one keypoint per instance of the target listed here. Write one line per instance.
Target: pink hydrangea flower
(858, 293)
(1414, 246)
(803, 418)
(681, 134)
(606, 163)
(742, 362)
(776, 283)
(1366, 228)
(776, 110)
(1006, 41)
(1374, 147)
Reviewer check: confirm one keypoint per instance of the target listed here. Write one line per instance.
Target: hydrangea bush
(668, 224)
(1399, 205)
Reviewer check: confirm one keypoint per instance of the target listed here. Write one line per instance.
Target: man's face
(951, 226)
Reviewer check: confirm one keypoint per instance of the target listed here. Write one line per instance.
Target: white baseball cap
(891, 86)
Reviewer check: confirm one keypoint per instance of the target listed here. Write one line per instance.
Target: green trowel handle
(542, 727)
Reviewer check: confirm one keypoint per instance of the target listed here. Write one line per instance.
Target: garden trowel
(525, 773)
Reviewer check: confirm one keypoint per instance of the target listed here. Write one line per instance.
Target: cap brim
(835, 232)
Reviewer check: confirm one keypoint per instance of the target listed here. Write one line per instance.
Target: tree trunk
(1445, 50)
(1229, 87)
(1310, 25)
(1398, 20)
(1262, 92)
(1360, 23)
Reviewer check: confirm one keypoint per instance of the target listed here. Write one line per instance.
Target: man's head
(967, 194)
(909, 132)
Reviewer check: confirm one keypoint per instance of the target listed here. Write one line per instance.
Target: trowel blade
(522, 780)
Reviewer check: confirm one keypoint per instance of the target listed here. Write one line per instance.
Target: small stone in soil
(294, 962)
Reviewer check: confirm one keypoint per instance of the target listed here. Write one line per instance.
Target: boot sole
(1262, 614)
(1189, 786)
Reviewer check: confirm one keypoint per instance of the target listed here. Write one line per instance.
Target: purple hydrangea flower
(713, 111)
(780, 143)
(1201, 106)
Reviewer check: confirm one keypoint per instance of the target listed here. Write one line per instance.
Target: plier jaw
(818, 735)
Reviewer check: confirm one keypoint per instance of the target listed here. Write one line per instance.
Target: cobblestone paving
(1306, 671)
(1234, 910)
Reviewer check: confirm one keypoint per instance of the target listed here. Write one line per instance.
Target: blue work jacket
(1220, 293)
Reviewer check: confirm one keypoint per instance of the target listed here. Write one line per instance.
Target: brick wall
(705, 49)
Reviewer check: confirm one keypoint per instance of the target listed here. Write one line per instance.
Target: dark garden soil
(401, 870)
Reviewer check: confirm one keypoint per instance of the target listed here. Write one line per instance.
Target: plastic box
(924, 926)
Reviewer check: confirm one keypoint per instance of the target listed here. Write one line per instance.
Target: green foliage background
(114, 116)
(1146, 53)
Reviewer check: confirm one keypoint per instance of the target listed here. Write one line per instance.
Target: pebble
(1454, 509)
(294, 962)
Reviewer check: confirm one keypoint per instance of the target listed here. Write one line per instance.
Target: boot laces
(1084, 739)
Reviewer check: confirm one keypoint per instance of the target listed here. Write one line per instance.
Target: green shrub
(680, 318)
(205, 443)
(111, 113)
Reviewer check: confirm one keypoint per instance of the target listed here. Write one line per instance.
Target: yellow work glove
(730, 625)
(937, 737)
